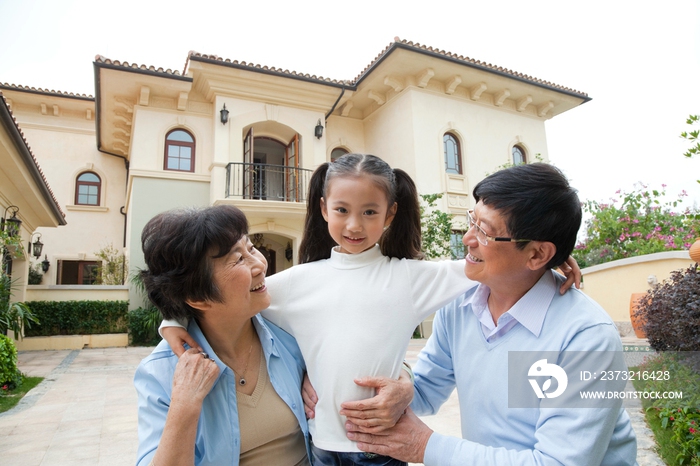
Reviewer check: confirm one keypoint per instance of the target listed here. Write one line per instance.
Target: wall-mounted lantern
(36, 247)
(224, 115)
(318, 131)
(45, 264)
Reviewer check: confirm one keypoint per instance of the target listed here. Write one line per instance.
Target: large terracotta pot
(695, 250)
(637, 323)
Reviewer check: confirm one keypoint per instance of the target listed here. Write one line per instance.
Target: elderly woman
(237, 399)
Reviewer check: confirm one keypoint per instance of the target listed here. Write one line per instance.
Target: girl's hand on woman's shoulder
(177, 337)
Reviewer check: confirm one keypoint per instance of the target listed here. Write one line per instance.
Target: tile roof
(33, 157)
(398, 43)
(38, 90)
(460, 59)
(258, 67)
(137, 67)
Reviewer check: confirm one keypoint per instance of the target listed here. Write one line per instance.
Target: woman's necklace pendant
(242, 382)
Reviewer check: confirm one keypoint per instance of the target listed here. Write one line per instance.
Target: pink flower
(691, 430)
(5, 387)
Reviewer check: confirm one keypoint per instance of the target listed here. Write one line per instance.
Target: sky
(638, 60)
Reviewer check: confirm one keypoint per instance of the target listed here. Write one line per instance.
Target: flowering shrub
(636, 223)
(680, 416)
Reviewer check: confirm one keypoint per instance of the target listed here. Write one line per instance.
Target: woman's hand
(194, 377)
(571, 271)
(385, 408)
(177, 337)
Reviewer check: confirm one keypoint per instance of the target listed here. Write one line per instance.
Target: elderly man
(524, 223)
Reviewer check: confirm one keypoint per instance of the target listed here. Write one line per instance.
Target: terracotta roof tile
(466, 60)
(135, 66)
(39, 90)
(254, 66)
(397, 42)
(29, 149)
(404, 43)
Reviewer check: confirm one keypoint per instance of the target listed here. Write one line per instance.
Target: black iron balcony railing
(267, 182)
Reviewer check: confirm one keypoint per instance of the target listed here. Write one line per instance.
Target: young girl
(358, 295)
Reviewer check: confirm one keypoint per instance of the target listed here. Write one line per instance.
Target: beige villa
(228, 132)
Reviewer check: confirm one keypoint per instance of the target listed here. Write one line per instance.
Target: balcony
(265, 182)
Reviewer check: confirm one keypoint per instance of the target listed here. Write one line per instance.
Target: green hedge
(78, 317)
(143, 326)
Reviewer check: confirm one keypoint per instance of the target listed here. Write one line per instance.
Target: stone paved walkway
(84, 412)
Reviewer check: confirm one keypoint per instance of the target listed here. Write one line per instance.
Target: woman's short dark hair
(537, 203)
(178, 246)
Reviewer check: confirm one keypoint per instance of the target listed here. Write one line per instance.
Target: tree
(436, 229)
(114, 266)
(692, 136)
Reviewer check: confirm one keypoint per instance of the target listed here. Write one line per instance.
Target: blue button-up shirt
(218, 433)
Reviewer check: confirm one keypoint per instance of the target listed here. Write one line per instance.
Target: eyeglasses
(483, 238)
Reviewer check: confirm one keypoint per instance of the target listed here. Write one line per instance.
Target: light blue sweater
(458, 355)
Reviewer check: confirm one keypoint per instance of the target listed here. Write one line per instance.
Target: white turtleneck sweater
(353, 316)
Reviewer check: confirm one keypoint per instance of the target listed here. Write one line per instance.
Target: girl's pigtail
(316, 243)
(403, 238)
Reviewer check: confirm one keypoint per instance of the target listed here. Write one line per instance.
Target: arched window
(179, 151)
(88, 187)
(518, 155)
(337, 152)
(453, 155)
